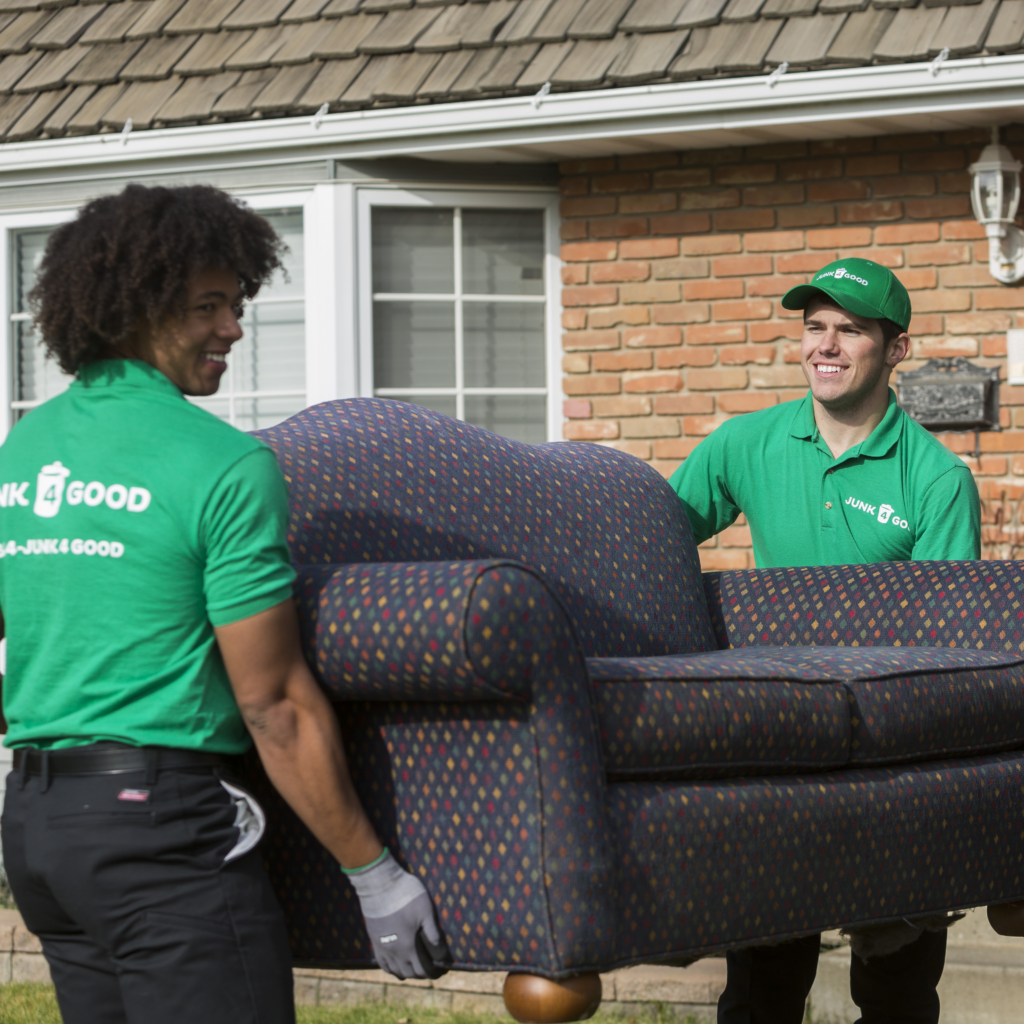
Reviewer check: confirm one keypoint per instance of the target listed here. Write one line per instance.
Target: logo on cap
(841, 273)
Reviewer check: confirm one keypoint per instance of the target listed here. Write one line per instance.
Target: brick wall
(674, 265)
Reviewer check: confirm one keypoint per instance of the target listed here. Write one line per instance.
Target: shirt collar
(117, 373)
(878, 443)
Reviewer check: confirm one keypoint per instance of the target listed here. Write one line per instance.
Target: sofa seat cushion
(766, 710)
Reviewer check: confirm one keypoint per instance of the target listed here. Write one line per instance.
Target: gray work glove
(399, 916)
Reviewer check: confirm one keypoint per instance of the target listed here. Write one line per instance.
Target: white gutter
(833, 96)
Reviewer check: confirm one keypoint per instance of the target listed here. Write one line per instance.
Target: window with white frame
(266, 378)
(460, 311)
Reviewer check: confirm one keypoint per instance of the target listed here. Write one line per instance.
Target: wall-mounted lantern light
(995, 195)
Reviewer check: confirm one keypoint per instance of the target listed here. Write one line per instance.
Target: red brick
(591, 385)
(709, 199)
(858, 213)
(612, 361)
(887, 257)
(994, 347)
(758, 286)
(966, 276)
(977, 323)
(683, 405)
(740, 355)
(901, 234)
(618, 227)
(811, 170)
(601, 296)
(728, 289)
(776, 151)
(692, 177)
(993, 465)
(701, 426)
(760, 332)
(651, 426)
(960, 230)
(572, 230)
(588, 165)
(639, 449)
(576, 341)
(942, 301)
(803, 263)
(715, 334)
(587, 206)
(773, 195)
(632, 270)
(574, 319)
(945, 348)
(791, 352)
(574, 186)
(1007, 441)
(749, 401)
(832, 238)
(937, 160)
(842, 147)
(904, 185)
(676, 269)
(590, 430)
(938, 255)
(649, 248)
(716, 380)
(574, 275)
(914, 280)
(774, 241)
(915, 140)
(635, 182)
(654, 382)
(928, 323)
(576, 362)
(735, 537)
(806, 216)
(750, 309)
(623, 405)
(1018, 464)
(939, 208)
(777, 377)
(998, 298)
(834, 191)
(576, 408)
(589, 252)
(722, 561)
(675, 448)
(654, 291)
(648, 161)
(960, 181)
(598, 319)
(652, 337)
(673, 358)
(745, 174)
(682, 313)
(866, 166)
(744, 220)
(736, 266)
(711, 245)
(681, 224)
(649, 202)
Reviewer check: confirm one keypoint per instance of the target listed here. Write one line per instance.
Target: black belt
(109, 759)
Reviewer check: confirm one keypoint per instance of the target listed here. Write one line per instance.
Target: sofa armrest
(977, 605)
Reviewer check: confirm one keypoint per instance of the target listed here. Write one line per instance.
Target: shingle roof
(81, 67)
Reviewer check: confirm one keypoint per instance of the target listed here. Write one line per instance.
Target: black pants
(140, 919)
(770, 984)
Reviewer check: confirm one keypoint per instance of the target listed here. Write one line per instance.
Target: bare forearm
(300, 746)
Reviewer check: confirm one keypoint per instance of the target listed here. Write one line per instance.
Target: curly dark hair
(126, 261)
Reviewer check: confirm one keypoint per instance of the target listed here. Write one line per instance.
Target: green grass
(36, 1004)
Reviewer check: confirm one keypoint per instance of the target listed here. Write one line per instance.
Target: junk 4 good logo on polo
(885, 512)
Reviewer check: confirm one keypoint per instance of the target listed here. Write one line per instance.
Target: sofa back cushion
(373, 480)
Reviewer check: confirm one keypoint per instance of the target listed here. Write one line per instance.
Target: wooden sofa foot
(532, 999)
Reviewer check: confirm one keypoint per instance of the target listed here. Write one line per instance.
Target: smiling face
(845, 358)
(192, 350)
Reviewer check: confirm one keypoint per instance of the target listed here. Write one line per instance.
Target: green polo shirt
(897, 495)
(131, 523)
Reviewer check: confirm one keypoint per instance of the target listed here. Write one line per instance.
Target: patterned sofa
(593, 756)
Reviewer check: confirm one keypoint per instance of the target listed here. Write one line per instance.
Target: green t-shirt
(131, 523)
(897, 495)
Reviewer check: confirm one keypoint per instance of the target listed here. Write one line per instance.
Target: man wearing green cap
(842, 476)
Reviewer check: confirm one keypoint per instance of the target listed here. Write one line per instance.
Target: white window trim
(367, 198)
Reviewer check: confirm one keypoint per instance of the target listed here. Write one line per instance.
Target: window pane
(521, 417)
(260, 413)
(288, 224)
(444, 404)
(414, 344)
(503, 344)
(413, 250)
(271, 355)
(503, 252)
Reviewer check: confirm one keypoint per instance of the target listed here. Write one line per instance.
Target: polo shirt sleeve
(701, 485)
(949, 519)
(245, 528)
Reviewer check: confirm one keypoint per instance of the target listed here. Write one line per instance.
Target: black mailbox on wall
(952, 394)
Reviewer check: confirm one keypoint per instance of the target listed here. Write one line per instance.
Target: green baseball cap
(861, 286)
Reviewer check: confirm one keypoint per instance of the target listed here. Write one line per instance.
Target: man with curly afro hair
(146, 594)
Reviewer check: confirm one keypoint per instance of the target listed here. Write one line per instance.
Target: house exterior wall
(674, 265)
